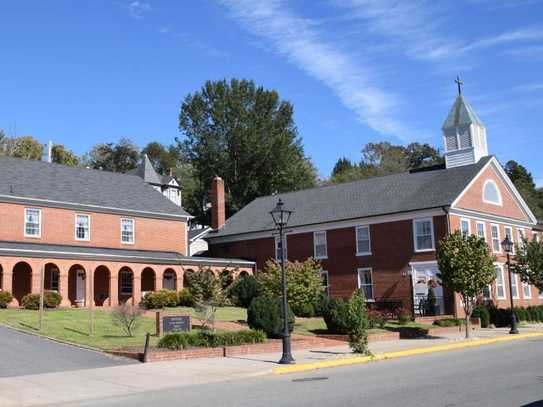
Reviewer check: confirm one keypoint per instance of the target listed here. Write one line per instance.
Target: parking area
(24, 354)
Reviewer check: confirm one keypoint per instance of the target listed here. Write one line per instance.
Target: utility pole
(42, 289)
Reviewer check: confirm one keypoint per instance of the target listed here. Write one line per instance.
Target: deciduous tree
(120, 157)
(528, 263)
(467, 267)
(61, 155)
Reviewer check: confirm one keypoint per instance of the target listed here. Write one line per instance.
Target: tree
(467, 267)
(26, 147)
(304, 284)
(3, 142)
(524, 182)
(246, 135)
(358, 323)
(385, 158)
(120, 157)
(528, 263)
(163, 158)
(61, 155)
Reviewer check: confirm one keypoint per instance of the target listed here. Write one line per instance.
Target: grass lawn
(315, 326)
(72, 325)
(223, 313)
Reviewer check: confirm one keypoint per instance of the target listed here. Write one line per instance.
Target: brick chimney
(217, 203)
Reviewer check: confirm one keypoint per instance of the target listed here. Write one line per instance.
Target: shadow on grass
(33, 328)
(76, 331)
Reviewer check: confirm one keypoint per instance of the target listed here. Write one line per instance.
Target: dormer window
(491, 193)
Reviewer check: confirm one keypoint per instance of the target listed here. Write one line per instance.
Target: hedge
(160, 299)
(501, 317)
(265, 314)
(203, 339)
(5, 298)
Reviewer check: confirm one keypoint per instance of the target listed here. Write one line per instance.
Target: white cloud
(136, 9)
(530, 87)
(508, 37)
(297, 39)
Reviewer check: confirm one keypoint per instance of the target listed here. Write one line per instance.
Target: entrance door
(80, 287)
(424, 275)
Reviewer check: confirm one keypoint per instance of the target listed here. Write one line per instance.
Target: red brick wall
(392, 251)
(58, 227)
(473, 197)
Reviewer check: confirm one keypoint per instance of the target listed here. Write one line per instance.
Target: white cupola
(464, 134)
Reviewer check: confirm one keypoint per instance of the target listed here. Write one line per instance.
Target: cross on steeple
(459, 82)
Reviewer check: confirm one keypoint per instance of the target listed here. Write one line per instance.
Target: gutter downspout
(446, 210)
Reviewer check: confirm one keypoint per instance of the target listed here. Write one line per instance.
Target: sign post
(166, 322)
(91, 303)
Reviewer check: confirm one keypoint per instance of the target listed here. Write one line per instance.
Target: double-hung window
(126, 282)
(521, 237)
(365, 283)
(127, 231)
(82, 227)
(509, 233)
(526, 290)
(514, 285)
(495, 234)
(325, 282)
(32, 222)
(465, 228)
(481, 233)
(278, 248)
(319, 245)
(500, 282)
(423, 231)
(363, 241)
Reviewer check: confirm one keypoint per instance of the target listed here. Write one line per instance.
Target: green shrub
(403, 315)
(244, 290)
(447, 322)
(184, 298)
(481, 312)
(358, 323)
(377, 319)
(160, 299)
(204, 286)
(265, 314)
(51, 299)
(31, 301)
(5, 298)
(208, 339)
(304, 284)
(322, 304)
(336, 316)
(499, 317)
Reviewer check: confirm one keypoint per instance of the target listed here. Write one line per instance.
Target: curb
(398, 354)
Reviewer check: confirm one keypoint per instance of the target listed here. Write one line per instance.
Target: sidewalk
(56, 388)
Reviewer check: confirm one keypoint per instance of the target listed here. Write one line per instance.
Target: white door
(80, 287)
(424, 275)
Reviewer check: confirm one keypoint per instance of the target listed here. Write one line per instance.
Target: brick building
(380, 234)
(97, 235)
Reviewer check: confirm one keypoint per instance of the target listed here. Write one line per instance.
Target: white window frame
(325, 256)
(133, 221)
(358, 252)
(326, 288)
(502, 274)
(75, 227)
(500, 201)
(535, 236)
(514, 286)
(123, 291)
(39, 211)
(462, 220)
(276, 247)
(511, 237)
(361, 286)
(521, 235)
(419, 220)
(492, 225)
(524, 286)
(477, 224)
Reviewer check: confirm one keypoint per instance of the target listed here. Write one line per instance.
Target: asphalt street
(508, 374)
(23, 354)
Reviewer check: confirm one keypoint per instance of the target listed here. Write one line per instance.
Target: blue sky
(357, 71)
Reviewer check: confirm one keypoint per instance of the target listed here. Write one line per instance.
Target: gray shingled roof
(146, 171)
(42, 250)
(461, 114)
(370, 197)
(80, 187)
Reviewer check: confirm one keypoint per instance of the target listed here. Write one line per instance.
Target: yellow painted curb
(399, 354)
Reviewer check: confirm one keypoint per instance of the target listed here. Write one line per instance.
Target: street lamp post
(507, 246)
(281, 217)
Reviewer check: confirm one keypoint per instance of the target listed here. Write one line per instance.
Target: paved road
(497, 375)
(23, 354)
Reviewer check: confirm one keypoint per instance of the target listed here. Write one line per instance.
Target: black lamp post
(507, 246)
(281, 217)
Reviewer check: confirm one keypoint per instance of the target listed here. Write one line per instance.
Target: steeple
(464, 134)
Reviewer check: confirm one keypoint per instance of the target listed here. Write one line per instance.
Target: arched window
(491, 193)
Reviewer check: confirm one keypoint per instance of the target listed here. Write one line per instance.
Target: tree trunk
(467, 325)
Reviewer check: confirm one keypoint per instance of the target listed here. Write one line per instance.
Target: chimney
(217, 203)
